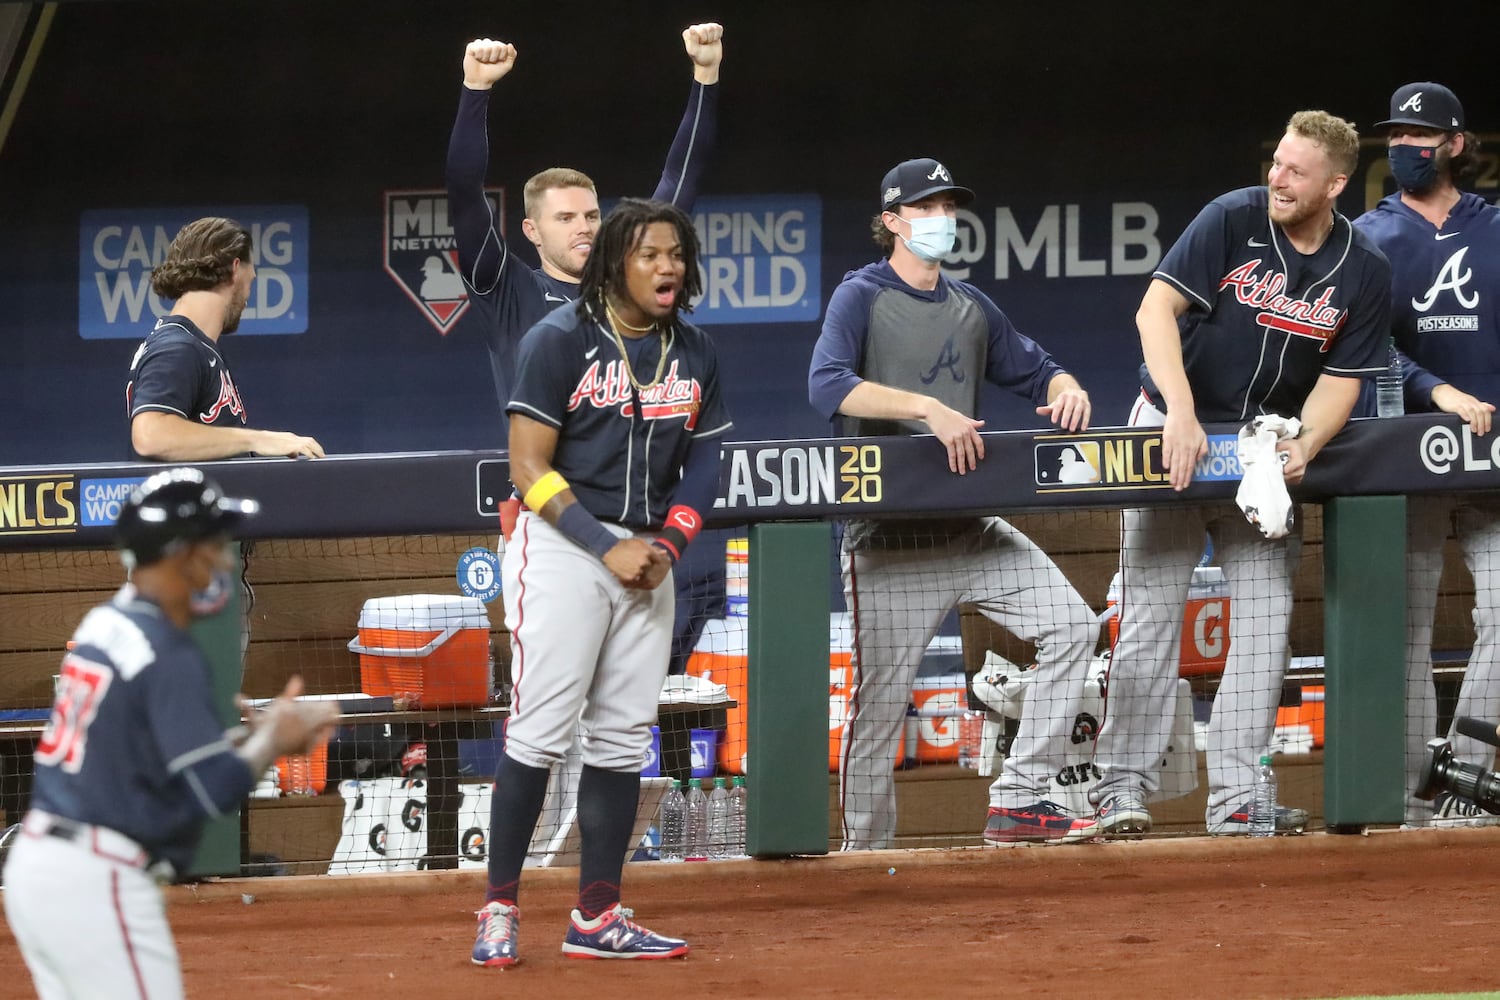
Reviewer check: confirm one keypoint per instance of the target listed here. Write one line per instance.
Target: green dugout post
(1364, 646)
(219, 637)
(788, 663)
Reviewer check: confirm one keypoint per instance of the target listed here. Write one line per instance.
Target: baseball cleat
(1289, 820)
(495, 944)
(1122, 815)
(615, 935)
(1044, 822)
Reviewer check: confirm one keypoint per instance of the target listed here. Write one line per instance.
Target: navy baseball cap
(1430, 105)
(913, 180)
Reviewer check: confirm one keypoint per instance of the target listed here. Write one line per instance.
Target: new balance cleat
(1449, 811)
(1044, 822)
(1122, 815)
(495, 944)
(1289, 820)
(615, 935)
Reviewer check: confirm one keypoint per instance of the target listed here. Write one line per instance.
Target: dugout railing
(788, 492)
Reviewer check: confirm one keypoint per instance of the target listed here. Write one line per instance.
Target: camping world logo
(421, 251)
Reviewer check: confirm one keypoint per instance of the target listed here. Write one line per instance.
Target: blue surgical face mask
(1415, 167)
(932, 237)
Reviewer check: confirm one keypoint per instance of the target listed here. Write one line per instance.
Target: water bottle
(673, 823)
(695, 847)
(718, 821)
(739, 806)
(1388, 398)
(1263, 804)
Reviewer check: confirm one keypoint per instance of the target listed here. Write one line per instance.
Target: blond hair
(553, 177)
(1338, 138)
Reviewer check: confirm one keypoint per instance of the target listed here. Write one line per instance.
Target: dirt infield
(1315, 916)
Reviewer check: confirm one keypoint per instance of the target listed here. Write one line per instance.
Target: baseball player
(615, 425)
(1269, 303)
(562, 208)
(1444, 248)
(133, 760)
(904, 350)
(183, 404)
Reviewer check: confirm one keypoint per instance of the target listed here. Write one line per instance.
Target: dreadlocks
(604, 271)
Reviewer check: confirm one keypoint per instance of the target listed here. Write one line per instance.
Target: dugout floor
(1313, 916)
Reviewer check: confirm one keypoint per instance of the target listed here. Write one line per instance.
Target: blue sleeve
(482, 253)
(1016, 362)
(186, 729)
(546, 373)
(169, 379)
(1197, 260)
(713, 419)
(840, 349)
(690, 148)
(699, 486)
(1360, 347)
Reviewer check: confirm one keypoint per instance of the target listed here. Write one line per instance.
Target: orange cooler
(1205, 622)
(432, 650)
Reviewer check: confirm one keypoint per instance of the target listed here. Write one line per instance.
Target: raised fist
(486, 61)
(705, 45)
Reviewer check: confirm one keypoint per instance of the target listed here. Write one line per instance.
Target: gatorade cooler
(939, 701)
(432, 650)
(1205, 622)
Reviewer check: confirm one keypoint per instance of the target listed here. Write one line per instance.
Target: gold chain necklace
(661, 362)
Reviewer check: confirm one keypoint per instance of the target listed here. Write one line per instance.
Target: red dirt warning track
(1313, 916)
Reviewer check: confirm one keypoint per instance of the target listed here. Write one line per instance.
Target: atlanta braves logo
(228, 396)
(1412, 103)
(606, 385)
(1452, 277)
(948, 358)
(940, 172)
(1317, 320)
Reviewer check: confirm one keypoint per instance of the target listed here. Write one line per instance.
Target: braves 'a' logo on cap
(1412, 103)
(940, 172)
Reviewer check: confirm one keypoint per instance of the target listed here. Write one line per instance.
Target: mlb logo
(421, 251)
(1067, 463)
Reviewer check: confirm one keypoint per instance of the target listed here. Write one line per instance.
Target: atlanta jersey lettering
(1445, 296)
(1264, 321)
(510, 297)
(134, 742)
(620, 450)
(177, 369)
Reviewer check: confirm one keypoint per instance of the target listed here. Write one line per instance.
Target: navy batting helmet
(172, 509)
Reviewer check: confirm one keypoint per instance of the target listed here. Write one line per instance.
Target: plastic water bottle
(1263, 804)
(718, 821)
(1388, 398)
(696, 844)
(673, 823)
(739, 807)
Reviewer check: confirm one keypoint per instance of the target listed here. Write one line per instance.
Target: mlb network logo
(421, 251)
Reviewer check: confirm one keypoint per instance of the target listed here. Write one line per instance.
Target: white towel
(1262, 494)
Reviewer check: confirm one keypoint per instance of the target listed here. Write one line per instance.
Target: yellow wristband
(544, 489)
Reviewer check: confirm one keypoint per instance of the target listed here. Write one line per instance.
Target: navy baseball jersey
(1264, 321)
(179, 370)
(134, 743)
(1445, 296)
(510, 297)
(621, 451)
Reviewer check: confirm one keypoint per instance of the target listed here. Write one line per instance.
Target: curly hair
(201, 257)
(619, 235)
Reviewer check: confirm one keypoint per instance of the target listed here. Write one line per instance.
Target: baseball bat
(1478, 729)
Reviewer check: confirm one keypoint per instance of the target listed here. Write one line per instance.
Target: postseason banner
(117, 249)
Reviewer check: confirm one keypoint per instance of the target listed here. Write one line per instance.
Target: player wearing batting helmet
(615, 424)
(1444, 249)
(134, 761)
(1269, 303)
(903, 350)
